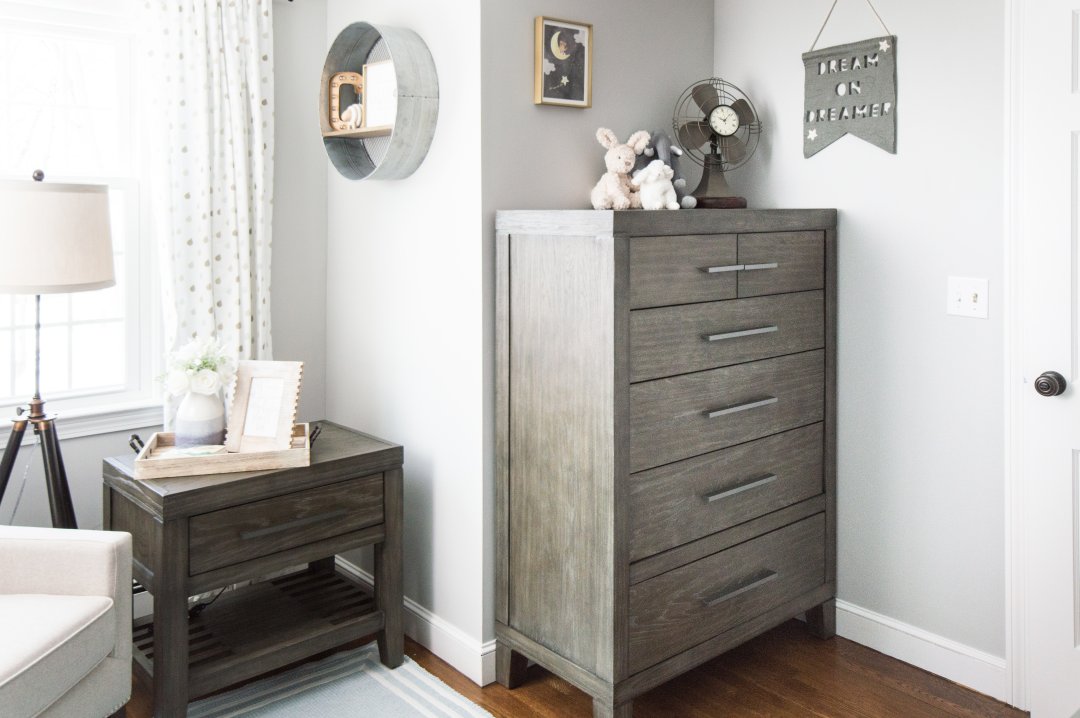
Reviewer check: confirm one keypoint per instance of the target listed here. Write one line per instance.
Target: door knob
(1050, 383)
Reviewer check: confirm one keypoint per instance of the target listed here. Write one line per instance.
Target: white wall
(298, 274)
(921, 517)
(405, 321)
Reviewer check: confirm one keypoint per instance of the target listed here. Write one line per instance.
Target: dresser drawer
(681, 502)
(678, 340)
(776, 262)
(683, 416)
(676, 270)
(230, 536)
(691, 604)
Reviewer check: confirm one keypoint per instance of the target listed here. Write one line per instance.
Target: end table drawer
(241, 533)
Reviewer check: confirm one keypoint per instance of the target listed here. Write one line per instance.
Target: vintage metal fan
(718, 127)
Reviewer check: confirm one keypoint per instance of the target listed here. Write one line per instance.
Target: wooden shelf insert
(261, 627)
(380, 131)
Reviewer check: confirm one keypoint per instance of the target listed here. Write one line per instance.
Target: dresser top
(638, 222)
(338, 454)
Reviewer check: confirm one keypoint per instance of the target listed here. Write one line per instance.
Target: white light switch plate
(968, 297)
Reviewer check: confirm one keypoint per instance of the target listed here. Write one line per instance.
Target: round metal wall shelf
(358, 157)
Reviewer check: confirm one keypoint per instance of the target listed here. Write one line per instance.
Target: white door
(1048, 332)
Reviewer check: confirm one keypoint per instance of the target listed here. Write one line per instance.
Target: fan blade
(733, 149)
(742, 109)
(706, 97)
(694, 134)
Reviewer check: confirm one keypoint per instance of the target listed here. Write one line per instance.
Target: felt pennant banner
(851, 89)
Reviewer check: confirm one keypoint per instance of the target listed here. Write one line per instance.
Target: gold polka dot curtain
(211, 87)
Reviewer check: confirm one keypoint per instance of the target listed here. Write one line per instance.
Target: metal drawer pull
(752, 484)
(295, 524)
(740, 333)
(766, 265)
(735, 408)
(726, 268)
(754, 583)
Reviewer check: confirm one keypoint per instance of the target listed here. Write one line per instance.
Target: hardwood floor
(785, 673)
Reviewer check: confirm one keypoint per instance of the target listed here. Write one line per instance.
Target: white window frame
(138, 403)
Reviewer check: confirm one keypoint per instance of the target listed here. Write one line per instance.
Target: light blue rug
(351, 683)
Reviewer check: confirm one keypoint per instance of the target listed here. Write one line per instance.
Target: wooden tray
(154, 461)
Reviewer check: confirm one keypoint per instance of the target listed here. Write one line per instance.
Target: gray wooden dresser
(665, 439)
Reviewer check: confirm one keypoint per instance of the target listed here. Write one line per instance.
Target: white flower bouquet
(201, 366)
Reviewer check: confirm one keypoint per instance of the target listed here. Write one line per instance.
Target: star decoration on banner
(811, 135)
(565, 80)
(884, 46)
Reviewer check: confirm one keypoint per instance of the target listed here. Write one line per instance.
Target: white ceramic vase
(200, 419)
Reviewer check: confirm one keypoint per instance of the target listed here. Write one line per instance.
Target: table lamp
(54, 238)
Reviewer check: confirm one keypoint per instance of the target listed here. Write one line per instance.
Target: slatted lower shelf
(258, 628)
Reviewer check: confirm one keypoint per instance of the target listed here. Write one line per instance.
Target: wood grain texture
(389, 572)
(677, 610)
(669, 505)
(236, 527)
(259, 528)
(669, 417)
(339, 454)
(562, 445)
(575, 416)
(676, 340)
(672, 270)
(799, 257)
(672, 559)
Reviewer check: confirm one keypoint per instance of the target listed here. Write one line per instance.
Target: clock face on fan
(724, 120)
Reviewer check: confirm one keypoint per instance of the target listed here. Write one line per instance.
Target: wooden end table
(198, 533)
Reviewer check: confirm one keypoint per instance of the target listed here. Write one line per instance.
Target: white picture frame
(264, 406)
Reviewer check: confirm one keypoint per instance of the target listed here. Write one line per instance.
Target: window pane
(54, 309)
(64, 107)
(100, 303)
(97, 355)
(54, 361)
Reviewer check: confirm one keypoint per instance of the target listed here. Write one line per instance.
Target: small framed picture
(264, 406)
(563, 73)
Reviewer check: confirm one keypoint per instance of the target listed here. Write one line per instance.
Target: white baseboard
(959, 663)
(474, 659)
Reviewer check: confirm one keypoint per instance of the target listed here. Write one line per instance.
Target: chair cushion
(49, 644)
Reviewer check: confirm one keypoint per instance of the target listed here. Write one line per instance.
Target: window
(68, 107)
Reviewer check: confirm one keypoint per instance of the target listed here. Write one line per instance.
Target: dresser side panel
(561, 445)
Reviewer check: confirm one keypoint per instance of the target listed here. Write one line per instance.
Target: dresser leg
(510, 666)
(388, 573)
(605, 709)
(821, 620)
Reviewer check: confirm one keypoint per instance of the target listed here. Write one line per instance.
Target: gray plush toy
(662, 148)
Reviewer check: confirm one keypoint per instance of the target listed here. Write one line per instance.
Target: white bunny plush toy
(353, 116)
(614, 190)
(657, 192)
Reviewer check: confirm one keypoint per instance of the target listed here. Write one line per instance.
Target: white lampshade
(54, 238)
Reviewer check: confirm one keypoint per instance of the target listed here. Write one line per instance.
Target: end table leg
(171, 622)
(388, 578)
(821, 620)
(510, 666)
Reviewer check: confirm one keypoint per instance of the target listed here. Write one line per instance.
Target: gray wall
(921, 405)
(298, 272)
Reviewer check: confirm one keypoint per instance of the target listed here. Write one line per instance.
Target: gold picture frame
(563, 64)
(264, 406)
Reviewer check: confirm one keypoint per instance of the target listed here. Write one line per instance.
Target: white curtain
(211, 83)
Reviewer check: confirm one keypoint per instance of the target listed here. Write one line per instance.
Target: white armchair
(65, 622)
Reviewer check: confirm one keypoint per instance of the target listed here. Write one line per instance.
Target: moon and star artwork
(563, 63)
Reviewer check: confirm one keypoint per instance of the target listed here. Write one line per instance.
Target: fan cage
(687, 110)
